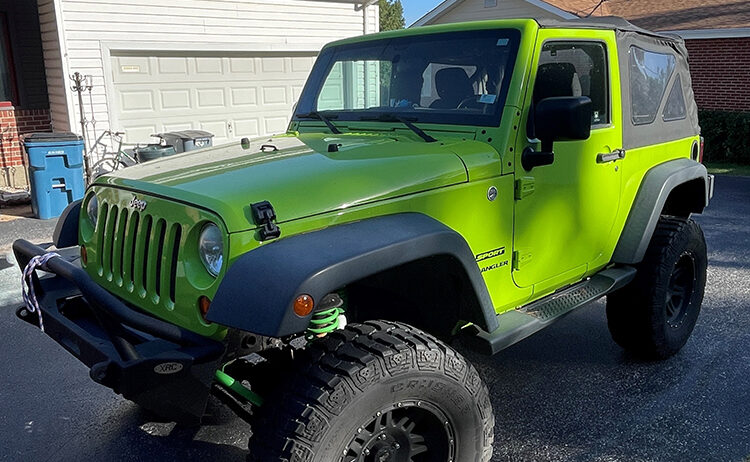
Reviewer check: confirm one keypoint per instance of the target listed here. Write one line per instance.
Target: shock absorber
(328, 317)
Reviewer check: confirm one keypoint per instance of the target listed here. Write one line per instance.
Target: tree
(391, 15)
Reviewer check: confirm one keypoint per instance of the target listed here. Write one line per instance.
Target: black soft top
(603, 22)
(627, 37)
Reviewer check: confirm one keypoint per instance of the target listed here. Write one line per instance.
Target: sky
(414, 9)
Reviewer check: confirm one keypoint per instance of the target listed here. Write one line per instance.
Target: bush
(727, 136)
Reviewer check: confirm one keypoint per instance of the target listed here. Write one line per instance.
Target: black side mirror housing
(563, 118)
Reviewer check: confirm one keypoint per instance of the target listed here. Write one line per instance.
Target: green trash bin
(153, 151)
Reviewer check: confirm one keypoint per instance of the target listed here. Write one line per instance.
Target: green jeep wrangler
(475, 180)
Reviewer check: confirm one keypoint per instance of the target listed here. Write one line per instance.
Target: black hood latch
(264, 216)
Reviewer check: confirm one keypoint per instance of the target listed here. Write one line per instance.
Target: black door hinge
(265, 216)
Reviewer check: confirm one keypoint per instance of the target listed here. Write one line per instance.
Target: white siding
(93, 28)
(475, 10)
(56, 73)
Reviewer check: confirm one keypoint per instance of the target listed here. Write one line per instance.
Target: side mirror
(564, 118)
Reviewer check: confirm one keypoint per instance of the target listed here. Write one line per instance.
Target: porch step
(518, 324)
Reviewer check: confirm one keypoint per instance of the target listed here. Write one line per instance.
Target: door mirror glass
(562, 118)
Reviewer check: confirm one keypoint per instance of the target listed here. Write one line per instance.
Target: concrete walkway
(18, 223)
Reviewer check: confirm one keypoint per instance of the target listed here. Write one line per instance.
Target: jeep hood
(296, 174)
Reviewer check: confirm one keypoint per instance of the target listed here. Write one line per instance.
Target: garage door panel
(140, 133)
(175, 99)
(137, 101)
(276, 124)
(246, 96)
(211, 66)
(230, 96)
(210, 98)
(242, 65)
(218, 127)
(247, 127)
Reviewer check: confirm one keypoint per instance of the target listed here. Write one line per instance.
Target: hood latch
(264, 216)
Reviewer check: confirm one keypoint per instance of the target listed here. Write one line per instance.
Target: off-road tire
(346, 383)
(643, 317)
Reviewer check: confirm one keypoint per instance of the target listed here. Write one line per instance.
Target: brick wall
(14, 123)
(720, 69)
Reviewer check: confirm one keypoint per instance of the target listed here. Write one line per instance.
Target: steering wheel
(471, 102)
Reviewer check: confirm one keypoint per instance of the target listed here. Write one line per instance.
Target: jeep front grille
(139, 252)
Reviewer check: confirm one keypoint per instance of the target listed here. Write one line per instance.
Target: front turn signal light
(204, 303)
(84, 255)
(303, 305)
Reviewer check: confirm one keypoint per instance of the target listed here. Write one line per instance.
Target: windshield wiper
(324, 119)
(396, 118)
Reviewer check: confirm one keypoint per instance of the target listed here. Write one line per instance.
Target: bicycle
(111, 161)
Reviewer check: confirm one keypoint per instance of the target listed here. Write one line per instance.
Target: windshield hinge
(264, 216)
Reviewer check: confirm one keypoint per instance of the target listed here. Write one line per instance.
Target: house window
(8, 91)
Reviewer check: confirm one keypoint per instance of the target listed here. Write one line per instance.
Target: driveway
(566, 393)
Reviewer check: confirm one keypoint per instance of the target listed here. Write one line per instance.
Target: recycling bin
(55, 171)
(187, 140)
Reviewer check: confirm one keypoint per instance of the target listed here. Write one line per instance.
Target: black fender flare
(66, 228)
(259, 288)
(655, 189)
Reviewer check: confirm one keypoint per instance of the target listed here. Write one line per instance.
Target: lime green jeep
(475, 180)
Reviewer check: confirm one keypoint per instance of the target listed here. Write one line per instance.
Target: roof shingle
(666, 14)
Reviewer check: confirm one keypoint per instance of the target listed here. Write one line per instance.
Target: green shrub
(727, 136)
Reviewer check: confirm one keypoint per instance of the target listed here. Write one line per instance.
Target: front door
(564, 212)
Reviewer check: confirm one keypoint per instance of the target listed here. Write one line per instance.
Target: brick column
(14, 123)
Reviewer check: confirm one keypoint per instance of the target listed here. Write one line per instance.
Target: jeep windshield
(458, 78)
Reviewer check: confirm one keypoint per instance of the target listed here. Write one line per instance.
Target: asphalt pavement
(566, 393)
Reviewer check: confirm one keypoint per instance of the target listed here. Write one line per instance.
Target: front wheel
(654, 315)
(378, 391)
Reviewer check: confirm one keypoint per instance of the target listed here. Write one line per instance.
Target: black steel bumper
(160, 366)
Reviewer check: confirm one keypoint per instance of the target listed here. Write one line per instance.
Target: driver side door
(565, 212)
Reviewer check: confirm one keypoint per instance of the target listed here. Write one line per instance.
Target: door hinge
(264, 216)
(524, 187)
(520, 259)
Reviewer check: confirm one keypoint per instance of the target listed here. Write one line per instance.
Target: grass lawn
(728, 169)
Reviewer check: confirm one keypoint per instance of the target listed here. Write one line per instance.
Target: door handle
(603, 158)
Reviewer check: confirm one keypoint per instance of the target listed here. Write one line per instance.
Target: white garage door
(230, 96)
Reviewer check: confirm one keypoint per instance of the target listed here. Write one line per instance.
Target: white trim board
(448, 4)
(697, 34)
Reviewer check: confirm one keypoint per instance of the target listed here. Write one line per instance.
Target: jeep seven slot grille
(139, 252)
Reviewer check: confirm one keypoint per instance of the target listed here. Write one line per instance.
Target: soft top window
(650, 73)
(457, 78)
(675, 109)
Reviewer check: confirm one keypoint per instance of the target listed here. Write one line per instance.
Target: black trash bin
(187, 140)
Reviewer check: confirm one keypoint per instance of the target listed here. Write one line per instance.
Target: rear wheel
(377, 391)
(654, 315)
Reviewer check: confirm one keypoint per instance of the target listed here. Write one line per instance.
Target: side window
(575, 69)
(675, 107)
(649, 75)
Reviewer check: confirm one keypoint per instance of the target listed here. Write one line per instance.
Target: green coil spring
(325, 321)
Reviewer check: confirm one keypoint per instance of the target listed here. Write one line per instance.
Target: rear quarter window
(650, 73)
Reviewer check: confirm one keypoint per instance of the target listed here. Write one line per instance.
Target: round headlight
(92, 210)
(211, 248)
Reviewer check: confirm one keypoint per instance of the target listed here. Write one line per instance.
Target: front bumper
(162, 367)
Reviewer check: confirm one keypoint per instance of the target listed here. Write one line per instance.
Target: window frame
(8, 46)
(322, 66)
(607, 76)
